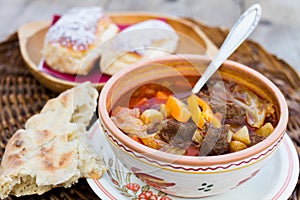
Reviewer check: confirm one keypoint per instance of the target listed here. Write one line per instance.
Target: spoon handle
(239, 32)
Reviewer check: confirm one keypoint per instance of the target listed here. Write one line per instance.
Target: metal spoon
(239, 32)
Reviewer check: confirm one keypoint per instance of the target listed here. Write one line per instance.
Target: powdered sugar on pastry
(76, 29)
(72, 38)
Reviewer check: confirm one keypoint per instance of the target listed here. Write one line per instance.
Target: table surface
(278, 31)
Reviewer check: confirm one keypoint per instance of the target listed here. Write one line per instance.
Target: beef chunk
(235, 114)
(254, 139)
(177, 133)
(272, 120)
(215, 141)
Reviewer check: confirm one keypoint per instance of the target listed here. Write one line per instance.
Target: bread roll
(144, 40)
(53, 149)
(74, 36)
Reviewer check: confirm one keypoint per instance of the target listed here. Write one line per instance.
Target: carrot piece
(178, 109)
(207, 111)
(162, 95)
(143, 101)
(150, 142)
(200, 117)
(137, 139)
(142, 104)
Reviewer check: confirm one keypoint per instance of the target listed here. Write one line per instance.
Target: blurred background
(278, 31)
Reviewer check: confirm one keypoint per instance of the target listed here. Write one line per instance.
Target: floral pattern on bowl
(129, 186)
(126, 182)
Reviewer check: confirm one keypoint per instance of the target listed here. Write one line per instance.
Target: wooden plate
(31, 39)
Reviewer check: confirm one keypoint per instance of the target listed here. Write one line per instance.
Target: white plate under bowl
(276, 180)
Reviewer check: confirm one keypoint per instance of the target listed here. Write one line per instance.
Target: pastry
(53, 149)
(144, 40)
(72, 38)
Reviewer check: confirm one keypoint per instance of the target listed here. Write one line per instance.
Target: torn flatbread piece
(53, 149)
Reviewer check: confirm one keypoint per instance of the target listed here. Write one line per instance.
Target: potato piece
(151, 116)
(229, 136)
(237, 146)
(265, 130)
(164, 111)
(197, 137)
(242, 135)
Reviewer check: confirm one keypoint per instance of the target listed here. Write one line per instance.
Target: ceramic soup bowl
(189, 176)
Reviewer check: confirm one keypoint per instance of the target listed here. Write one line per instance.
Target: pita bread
(144, 40)
(52, 150)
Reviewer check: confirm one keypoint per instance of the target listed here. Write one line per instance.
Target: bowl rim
(268, 143)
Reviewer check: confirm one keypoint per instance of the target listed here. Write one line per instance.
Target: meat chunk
(128, 121)
(235, 114)
(177, 133)
(254, 139)
(215, 141)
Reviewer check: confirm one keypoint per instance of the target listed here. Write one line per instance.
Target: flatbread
(52, 150)
(145, 40)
